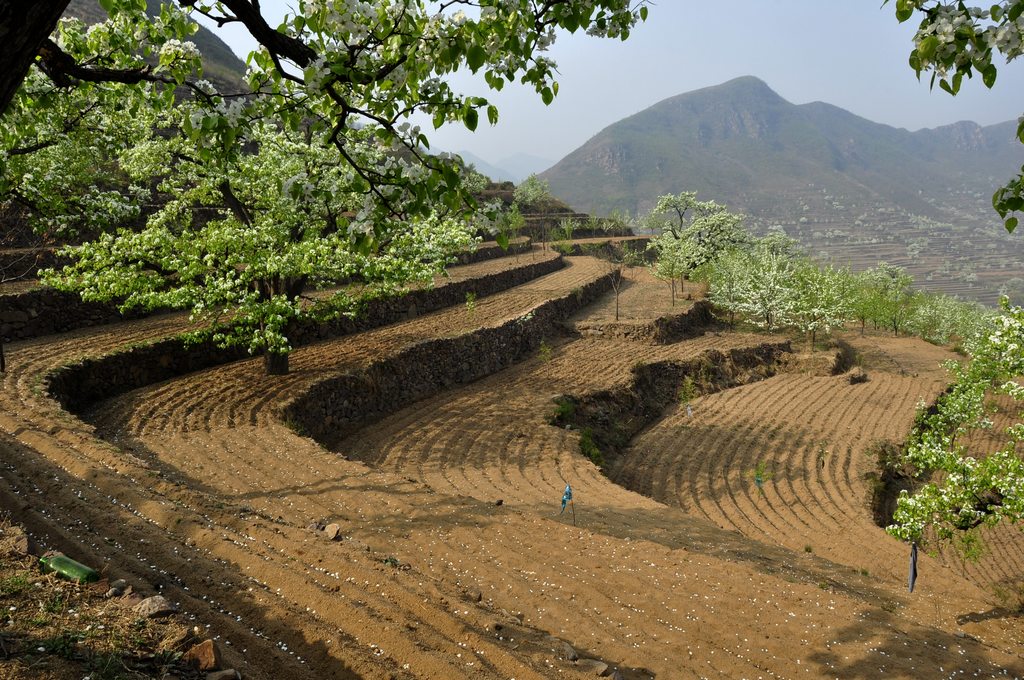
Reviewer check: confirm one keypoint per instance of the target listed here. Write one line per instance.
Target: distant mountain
(496, 173)
(845, 186)
(522, 165)
(220, 65)
(742, 144)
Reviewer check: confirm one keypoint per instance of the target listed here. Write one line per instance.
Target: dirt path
(196, 487)
(232, 486)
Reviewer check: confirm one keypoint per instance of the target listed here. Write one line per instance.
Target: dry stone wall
(670, 329)
(336, 406)
(664, 330)
(90, 380)
(43, 311)
(493, 251)
(614, 416)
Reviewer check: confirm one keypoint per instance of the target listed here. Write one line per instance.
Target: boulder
(332, 532)
(203, 657)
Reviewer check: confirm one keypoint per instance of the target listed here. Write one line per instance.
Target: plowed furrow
(219, 489)
(797, 506)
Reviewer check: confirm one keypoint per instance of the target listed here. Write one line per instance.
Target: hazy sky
(850, 53)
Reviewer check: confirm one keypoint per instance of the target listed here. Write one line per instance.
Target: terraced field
(811, 435)
(196, 487)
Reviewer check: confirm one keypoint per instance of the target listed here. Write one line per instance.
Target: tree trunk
(275, 364)
(23, 28)
(616, 303)
(3, 361)
(673, 292)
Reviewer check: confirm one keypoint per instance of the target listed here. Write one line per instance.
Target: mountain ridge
(849, 189)
(726, 136)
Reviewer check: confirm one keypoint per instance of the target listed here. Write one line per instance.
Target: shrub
(565, 409)
(687, 390)
(545, 351)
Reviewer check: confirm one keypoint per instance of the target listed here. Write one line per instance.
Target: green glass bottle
(69, 568)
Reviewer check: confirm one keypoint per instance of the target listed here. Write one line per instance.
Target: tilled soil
(196, 488)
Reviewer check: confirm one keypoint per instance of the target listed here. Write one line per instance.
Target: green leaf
(988, 76)
(502, 240)
(475, 57)
(915, 63)
(492, 114)
(470, 117)
(495, 81)
(107, 5)
(546, 95)
(945, 86)
(643, 13)
(928, 47)
(904, 10)
(1011, 224)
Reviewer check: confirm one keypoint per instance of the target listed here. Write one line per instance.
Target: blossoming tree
(311, 170)
(968, 491)
(693, 234)
(955, 40)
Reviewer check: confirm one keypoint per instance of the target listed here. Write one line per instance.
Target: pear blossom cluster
(969, 491)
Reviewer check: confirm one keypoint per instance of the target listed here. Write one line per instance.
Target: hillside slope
(847, 187)
(740, 141)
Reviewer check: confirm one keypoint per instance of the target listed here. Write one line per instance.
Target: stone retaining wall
(90, 380)
(336, 406)
(670, 329)
(614, 416)
(492, 251)
(42, 311)
(664, 330)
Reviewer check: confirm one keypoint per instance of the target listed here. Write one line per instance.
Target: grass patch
(51, 622)
(589, 448)
(14, 584)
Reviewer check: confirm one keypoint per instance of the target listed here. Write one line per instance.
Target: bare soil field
(455, 560)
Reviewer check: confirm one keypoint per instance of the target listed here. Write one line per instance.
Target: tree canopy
(309, 174)
(693, 234)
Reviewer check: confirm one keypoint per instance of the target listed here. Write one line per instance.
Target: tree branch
(234, 204)
(64, 71)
